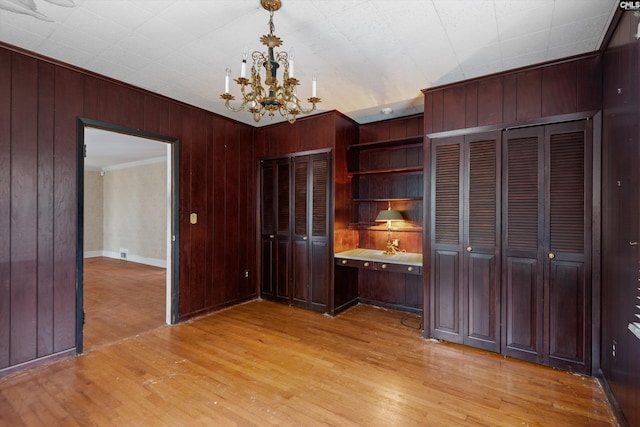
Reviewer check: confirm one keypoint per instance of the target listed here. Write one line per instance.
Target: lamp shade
(389, 215)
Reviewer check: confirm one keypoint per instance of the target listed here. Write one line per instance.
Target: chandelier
(274, 96)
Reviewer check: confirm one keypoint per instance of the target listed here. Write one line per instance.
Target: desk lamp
(387, 216)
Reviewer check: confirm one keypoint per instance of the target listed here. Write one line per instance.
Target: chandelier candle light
(275, 97)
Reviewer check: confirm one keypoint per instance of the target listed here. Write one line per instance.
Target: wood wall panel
(5, 206)
(46, 220)
(453, 107)
(68, 105)
(516, 97)
(23, 202)
(509, 98)
(40, 102)
(132, 109)
(428, 117)
(437, 112)
(620, 213)
(220, 232)
(232, 184)
(559, 89)
(471, 105)
(529, 94)
(198, 195)
(589, 76)
(489, 103)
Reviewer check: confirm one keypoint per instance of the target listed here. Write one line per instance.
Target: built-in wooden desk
(373, 259)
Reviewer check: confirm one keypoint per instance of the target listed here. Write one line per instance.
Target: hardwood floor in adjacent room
(121, 299)
(263, 363)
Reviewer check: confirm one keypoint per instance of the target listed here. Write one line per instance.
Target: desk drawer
(355, 263)
(380, 266)
(397, 268)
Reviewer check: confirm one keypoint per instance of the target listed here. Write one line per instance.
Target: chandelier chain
(272, 27)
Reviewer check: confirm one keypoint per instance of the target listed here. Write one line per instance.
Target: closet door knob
(305, 238)
(469, 249)
(552, 255)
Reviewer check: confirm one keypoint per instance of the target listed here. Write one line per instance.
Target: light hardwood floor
(263, 363)
(121, 299)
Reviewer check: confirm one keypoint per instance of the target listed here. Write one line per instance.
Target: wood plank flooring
(121, 299)
(262, 363)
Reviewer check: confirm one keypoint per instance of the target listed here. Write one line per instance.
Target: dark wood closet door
(267, 227)
(547, 245)
(446, 248)
(320, 256)
(311, 255)
(568, 246)
(522, 275)
(301, 230)
(481, 260)
(283, 232)
(465, 297)
(275, 233)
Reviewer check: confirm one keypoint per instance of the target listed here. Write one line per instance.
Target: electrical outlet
(246, 274)
(613, 349)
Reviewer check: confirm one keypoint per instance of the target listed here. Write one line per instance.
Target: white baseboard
(162, 263)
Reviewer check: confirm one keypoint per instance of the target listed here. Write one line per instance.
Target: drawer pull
(344, 261)
(271, 236)
(409, 268)
(366, 264)
(383, 266)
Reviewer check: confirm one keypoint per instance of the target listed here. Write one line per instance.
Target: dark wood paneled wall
(40, 102)
(620, 216)
(549, 90)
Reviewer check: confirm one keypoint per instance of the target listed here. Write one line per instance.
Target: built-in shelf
(407, 142)
(378, 227)
(391, 199)
(412, 169)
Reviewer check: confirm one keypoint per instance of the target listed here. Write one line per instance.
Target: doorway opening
(127, 226)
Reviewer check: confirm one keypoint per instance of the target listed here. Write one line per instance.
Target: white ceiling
(368, 54)
(106, 150)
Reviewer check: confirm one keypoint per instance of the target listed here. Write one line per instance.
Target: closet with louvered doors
(546, 268)
(465, 236)
(311, 257)
(295, 207)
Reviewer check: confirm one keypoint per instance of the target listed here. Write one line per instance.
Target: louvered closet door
(547, 245)
(568, 246)
(311, 255)
(301, 230)
(446, 239)
(481, 273)
(522, 276)
(283, 232)
(319, 238)
(267, 227)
